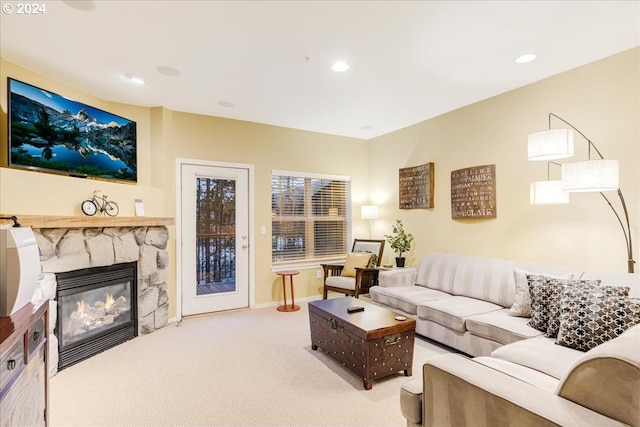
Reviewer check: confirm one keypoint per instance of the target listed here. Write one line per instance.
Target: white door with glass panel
(215, 238)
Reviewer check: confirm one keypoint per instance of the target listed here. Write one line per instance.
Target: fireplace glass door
(90, 312)
(97, 310)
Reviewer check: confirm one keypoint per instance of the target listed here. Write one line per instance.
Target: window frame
(308, 263)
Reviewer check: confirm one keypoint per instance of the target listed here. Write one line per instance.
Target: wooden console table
(24, 383)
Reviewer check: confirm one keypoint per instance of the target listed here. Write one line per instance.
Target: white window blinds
(310, 216)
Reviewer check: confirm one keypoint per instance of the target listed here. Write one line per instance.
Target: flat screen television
(51, 133)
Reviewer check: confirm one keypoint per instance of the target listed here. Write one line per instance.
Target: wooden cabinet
(24, 383)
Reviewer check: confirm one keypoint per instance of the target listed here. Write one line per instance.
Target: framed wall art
(416, 187)
(473, 192)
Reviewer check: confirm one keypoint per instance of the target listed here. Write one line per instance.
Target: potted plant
(400, 241)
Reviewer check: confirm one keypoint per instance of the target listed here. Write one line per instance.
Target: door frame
(178, 209)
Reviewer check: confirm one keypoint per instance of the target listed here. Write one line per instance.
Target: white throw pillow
(522, 301)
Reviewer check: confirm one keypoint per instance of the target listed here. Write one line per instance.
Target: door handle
(245, 246)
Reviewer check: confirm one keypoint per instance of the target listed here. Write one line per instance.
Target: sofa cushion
(488, 279)
(610, 278)
(341, 282)
(452, 312)
(541, 354)
(405, 298)
(436, 271)
(618, 359)
(405, 276)
(592, 317)
(475, 277)
(500, 327)
(530, 376)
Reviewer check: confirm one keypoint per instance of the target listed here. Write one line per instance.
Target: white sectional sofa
(515, 375)
(463, 301)
(564, 387)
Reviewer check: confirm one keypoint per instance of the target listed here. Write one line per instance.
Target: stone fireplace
(68, 248)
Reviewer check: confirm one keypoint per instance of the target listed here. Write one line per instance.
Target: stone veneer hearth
(68, 249)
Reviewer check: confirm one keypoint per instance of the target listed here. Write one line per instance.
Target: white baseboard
(278, 303)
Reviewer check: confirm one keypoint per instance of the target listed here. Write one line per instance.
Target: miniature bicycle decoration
(100, 204)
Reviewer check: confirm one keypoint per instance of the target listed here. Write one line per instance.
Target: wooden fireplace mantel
(55, 221)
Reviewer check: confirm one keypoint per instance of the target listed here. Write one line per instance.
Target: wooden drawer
(35, 336)
(25, 401)
(11, 363)
(23, 367)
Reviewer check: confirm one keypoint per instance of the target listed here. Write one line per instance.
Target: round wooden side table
(290, 274)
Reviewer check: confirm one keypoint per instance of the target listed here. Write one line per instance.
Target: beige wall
(601, 99)
(37, 193)
(165, 135)
(269, 147)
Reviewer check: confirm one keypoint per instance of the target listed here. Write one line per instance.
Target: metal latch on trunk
(392, 339)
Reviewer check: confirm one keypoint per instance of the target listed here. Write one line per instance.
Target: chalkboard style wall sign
(416, 187)
(473, 192)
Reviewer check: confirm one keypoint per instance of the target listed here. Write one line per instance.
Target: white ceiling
(410, 61)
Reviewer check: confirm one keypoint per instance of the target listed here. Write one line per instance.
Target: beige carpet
(244, 368)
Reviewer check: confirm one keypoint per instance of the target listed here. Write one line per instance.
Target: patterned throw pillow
(545, 293)
(537, 293)
(522, 301)
(590, 318)
(558, 289)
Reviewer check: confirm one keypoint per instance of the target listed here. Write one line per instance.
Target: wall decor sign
(416, 187)
(473, 192)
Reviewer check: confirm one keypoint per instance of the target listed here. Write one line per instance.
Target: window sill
(306, 265)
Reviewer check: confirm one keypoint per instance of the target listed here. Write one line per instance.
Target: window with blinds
(310, 217)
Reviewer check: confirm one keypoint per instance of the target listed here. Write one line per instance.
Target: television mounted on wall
(52, 133)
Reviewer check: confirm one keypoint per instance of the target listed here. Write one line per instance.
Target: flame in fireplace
(81, 307)
(109, 301)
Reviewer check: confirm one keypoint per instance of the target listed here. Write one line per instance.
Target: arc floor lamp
(592, 175)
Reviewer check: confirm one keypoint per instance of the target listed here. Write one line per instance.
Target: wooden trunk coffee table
(372, 343)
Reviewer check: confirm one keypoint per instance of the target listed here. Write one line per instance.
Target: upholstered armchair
(358, 273)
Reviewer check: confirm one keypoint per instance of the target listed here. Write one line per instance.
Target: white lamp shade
(548, 193)
(550, 144)
(369, 212)
(590, 175)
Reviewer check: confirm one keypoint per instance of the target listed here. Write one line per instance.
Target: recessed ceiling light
(527, 57)
(135, 79)
(366, 127)
(226, 104)
(340, 66)
(168, 71)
